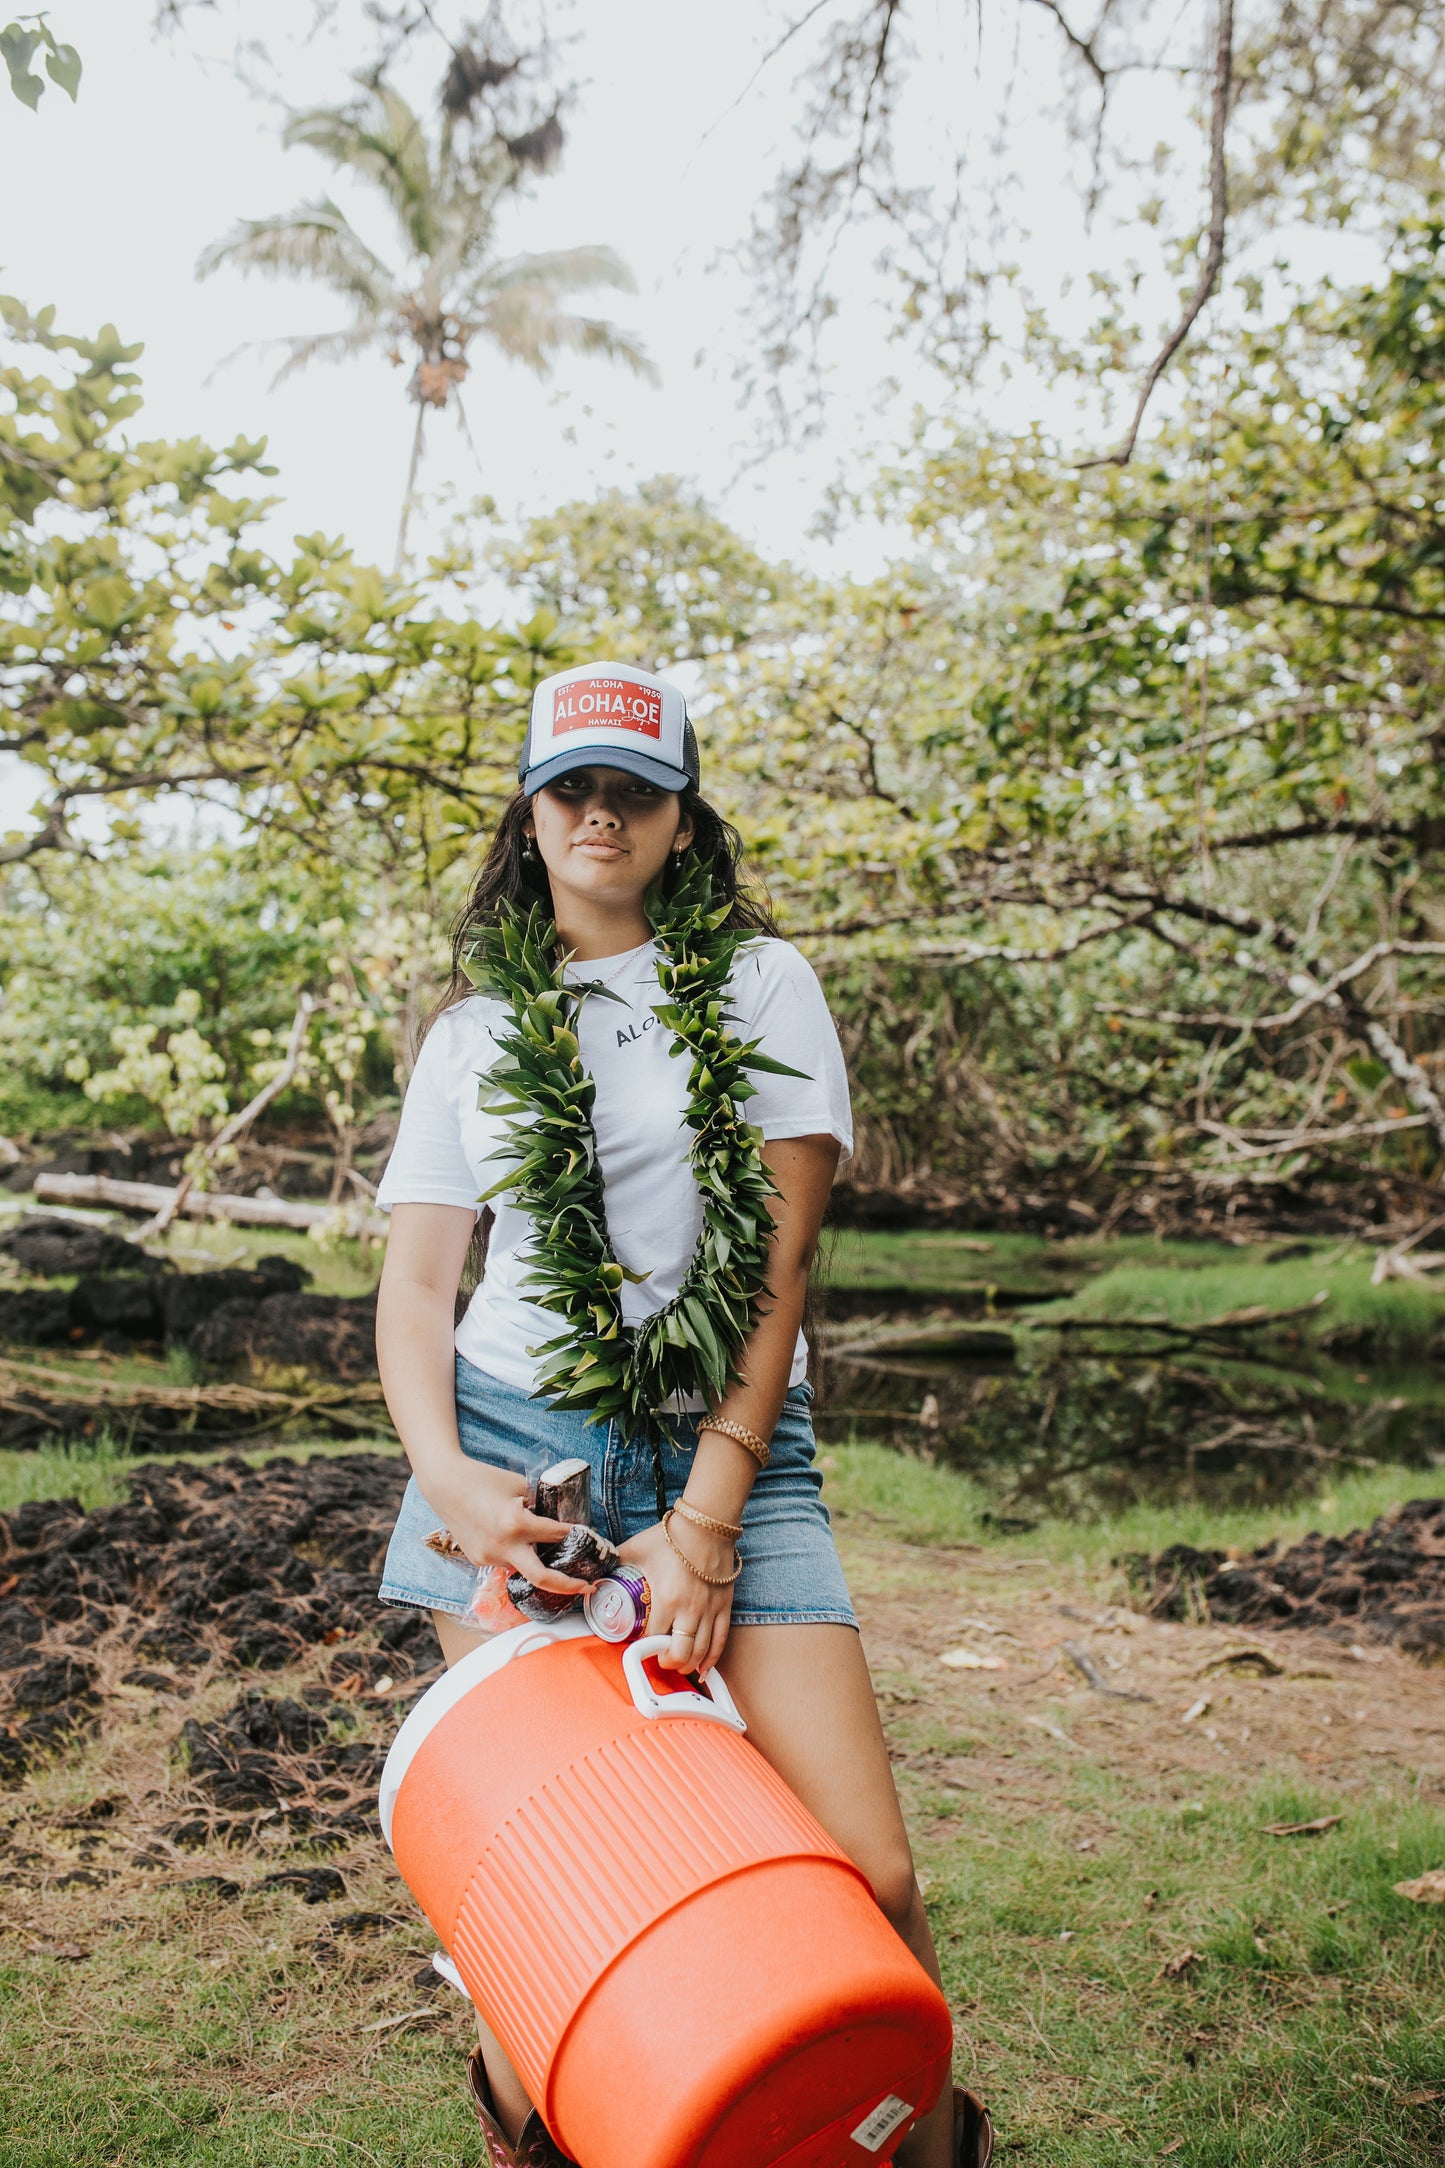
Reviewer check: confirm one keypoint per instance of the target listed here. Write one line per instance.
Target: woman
(608, 826)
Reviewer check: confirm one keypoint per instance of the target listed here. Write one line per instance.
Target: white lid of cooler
(454, 1685)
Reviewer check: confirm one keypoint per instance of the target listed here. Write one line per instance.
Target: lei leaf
(598, 1363)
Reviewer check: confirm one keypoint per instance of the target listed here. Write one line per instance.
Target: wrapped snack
(445, 1544)
(583, 1554)
(564, 1492)
(490, 1609)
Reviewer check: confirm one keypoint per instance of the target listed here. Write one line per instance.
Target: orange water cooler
(683, 1967)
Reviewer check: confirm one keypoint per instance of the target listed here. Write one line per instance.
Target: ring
(690, 1632)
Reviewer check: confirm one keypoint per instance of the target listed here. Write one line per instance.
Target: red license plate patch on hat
(607, 704)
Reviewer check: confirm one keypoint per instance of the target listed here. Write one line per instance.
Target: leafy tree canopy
(151, 646)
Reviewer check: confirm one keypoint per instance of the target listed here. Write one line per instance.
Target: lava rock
(313, 1885)
(211, 1885)
(335, 1334)
(46, 1685)
(47, 1245)
(127, 1305)
(189, 1298)
(1384, 1583)
(261, 1754)
(251, 1565)
(37, 1316)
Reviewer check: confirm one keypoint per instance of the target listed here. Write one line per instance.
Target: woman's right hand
(486, 1512)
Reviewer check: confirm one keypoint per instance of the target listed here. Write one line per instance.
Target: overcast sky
(673, 140)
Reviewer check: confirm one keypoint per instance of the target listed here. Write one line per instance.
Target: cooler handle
(714, 1703)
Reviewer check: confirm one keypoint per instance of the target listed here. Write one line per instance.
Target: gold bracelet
(713, 1580)
(706, 1520)
(749, 1440)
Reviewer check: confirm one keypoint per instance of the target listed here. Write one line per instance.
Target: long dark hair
(511, 874)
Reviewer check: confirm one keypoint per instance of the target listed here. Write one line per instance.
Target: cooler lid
(454, 1685)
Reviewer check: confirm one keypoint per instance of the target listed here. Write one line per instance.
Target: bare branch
(52, 835)
(1218, 219)
(1302, 1140)
(972, 952)
(1084, 47)
(239, 1123)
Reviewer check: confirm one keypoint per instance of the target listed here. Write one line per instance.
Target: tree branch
(1218, 218)
(1082, 46)
(1301, 1140)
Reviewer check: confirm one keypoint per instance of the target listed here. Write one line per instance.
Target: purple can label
(617, 1609)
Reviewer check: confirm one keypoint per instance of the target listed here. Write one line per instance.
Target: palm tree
(452, 289)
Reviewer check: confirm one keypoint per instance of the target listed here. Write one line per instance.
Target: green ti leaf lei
(613, 1370)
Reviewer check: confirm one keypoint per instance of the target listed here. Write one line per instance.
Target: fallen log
(151, 1198)
(991, 1341)
(1247, 1320)
(37, 1398)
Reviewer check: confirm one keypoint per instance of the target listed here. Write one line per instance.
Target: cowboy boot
(535, 2148)
(972, 2131)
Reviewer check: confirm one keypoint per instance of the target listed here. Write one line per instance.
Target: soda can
(618, 1608)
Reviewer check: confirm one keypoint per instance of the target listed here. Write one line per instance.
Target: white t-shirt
(446, 1149)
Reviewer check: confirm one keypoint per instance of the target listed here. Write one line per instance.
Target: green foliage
(19, 43)
(149, 648)
(179, 1080)
(665, 578)
(104, 946)
(1113, 817)
(1122, 764)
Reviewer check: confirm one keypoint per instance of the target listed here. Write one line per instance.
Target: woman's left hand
(696, 1614)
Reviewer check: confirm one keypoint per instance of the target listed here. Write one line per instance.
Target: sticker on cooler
(876, 2129)
(607, 704)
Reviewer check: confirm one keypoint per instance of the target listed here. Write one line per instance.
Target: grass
(1179, 1283)
(943, 1262)
(97, 1470)
(1064, 1874)
(91, 1469)
(343, 1267)
(1301, 2032)
(1069, 1856)
(1402, 1316)
(199, 2034)
(918, 1503)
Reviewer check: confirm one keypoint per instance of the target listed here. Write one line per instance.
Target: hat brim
(656, 772)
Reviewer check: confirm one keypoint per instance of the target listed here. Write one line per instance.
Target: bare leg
(508, 2095)
(811, 1711)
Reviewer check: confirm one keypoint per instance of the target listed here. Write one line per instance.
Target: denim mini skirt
(791, 1574)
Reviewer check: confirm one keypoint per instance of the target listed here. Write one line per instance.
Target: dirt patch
(197, 1567)
(1192, 1701)
(1385, 1583)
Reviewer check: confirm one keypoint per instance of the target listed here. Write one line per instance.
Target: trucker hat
(609, 715)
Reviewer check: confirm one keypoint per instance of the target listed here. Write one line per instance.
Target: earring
(529, 847)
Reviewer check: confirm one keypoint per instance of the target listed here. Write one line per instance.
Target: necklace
(582, 987)
(613, 1370)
